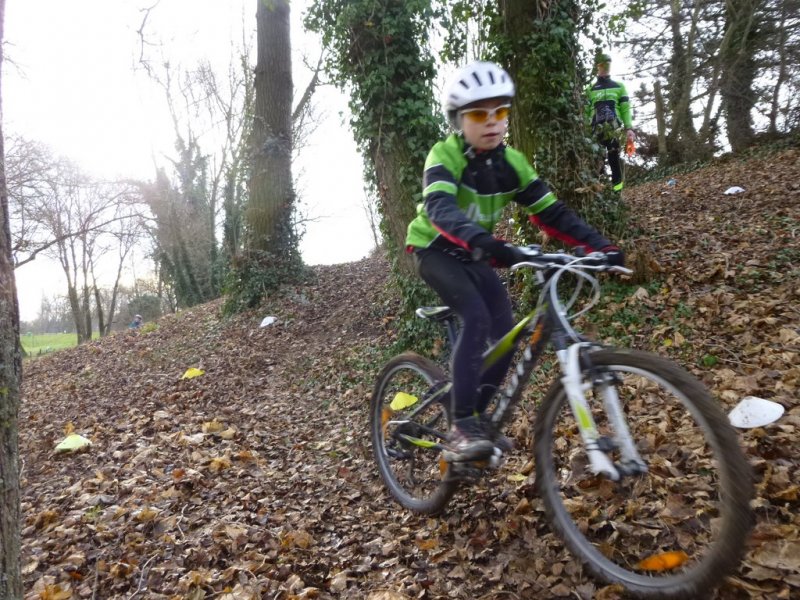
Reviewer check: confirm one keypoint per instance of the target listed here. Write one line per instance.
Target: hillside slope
(256, 479)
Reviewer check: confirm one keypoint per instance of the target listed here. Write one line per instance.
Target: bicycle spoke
(409, 422)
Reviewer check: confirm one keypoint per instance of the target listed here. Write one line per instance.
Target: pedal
(464, 471)
(473, 470)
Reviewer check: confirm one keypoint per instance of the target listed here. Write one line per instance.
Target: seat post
(444, 315)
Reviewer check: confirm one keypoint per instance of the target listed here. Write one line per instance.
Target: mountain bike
(639, 471)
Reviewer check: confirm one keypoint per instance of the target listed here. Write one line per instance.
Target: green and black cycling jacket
(610, 93)
(465, 191)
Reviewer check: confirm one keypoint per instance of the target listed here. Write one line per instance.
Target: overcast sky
(72, 81)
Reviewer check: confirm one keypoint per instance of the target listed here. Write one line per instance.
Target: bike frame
(548, 323)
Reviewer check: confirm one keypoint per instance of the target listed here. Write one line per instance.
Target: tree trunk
(271, 205)
(782, 70)
(682, 138)
(75, 308)
(518, 19)
(10, 381)
(86, 303)
(101, 315)
(661, 121)
(378, 52)
(708, 130)
(547, 123)
(739, 71)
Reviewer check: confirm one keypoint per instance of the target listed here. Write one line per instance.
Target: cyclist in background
(469, 178)
(607, 111)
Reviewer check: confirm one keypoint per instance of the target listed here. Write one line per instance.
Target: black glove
(615, 256)
(487, 246)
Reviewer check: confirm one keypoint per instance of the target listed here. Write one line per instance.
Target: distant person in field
(608, 110)
(137, 322)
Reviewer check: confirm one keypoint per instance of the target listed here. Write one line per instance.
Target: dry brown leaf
(219, 463)
(213, 426)
(55, 592)
(244, 455)
(386, 595)
(429, 544)
(146, 515)
(779, 554)
(227, 434)
(297, 539)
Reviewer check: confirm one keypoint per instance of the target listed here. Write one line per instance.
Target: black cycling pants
(476, 294)
(612, 149)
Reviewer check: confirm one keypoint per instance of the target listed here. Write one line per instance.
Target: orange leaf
(666, 561)
(427, 544)
(245, 455)
(386, 415)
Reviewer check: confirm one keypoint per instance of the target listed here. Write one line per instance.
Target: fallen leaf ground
(255, 480)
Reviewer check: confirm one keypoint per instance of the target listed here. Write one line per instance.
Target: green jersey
(465, 191)
(608, 103)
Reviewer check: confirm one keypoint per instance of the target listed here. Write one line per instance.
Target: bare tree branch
(310, 88)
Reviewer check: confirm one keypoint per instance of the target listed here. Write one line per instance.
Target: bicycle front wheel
(409, 417)
(673, 532)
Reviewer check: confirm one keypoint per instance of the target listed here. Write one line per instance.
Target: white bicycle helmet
(478, 80)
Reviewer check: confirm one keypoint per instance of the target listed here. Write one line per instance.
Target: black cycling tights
(612, 148)
(474, 291)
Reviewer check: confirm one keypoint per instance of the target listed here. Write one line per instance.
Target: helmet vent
(476, 81)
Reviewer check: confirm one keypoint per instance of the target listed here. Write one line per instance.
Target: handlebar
(551, 266)
(532, 256)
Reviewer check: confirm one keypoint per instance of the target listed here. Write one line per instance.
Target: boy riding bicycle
(469, 178)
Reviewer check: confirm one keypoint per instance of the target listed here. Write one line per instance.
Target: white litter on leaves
(733, 190)
(268, 321)
(72, 443)
(755, 412)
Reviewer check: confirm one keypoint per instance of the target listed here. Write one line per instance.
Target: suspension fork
(630, 460)
(570, 360)
(573, 360)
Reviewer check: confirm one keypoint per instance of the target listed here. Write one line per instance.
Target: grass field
(37, 344)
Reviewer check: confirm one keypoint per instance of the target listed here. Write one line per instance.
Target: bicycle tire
(415, 376)
(601, 526)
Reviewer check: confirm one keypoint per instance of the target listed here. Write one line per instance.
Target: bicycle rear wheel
(404, 436)
(679, 529)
